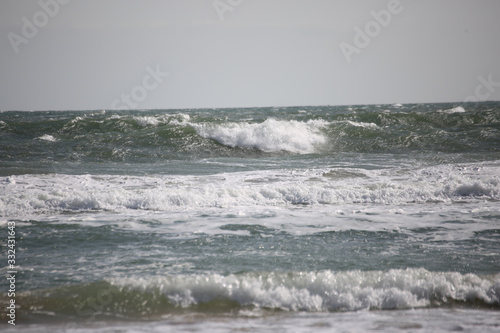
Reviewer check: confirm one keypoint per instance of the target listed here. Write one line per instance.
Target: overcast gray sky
(103, 54)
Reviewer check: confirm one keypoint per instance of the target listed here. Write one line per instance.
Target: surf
(307, 291)
(271, 135)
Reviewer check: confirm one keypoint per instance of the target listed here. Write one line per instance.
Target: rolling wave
(286, 291)
(269, 136)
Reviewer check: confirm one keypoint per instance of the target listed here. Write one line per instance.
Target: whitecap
(144, 121)
(48, 138)
(361, 124)
(269, 136)
(458, 109)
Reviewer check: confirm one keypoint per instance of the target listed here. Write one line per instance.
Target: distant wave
(457, 109)
(157, 136)
(269, 136)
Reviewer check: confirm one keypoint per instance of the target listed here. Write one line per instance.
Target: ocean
(289, 219)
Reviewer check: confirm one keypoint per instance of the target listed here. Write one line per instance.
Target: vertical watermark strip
(12, 272)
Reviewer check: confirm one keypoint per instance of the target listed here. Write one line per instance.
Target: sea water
(298, 219)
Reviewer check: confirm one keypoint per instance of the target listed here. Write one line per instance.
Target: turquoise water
(265, 219)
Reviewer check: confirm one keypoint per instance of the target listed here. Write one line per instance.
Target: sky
(177, 54)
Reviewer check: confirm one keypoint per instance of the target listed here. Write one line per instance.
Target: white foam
(270, 136)
(153, 121)
(147, 121)
(361, 124)
(247, 191)
(325, 290)
(458, 109)
(48, 138)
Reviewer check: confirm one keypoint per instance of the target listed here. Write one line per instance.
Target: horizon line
(248, 107)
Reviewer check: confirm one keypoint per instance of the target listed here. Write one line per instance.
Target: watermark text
(30, 27)
(484, 89)
(139, 93)
(224, 6)
(373, 28)
(12, 272)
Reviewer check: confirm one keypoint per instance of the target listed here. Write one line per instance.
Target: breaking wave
(287, 291)
(269, 136)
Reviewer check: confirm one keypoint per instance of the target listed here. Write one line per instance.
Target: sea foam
(48, 138)
(28, 194)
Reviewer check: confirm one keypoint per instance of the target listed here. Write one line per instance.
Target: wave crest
(269, 136)
(289, 291)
